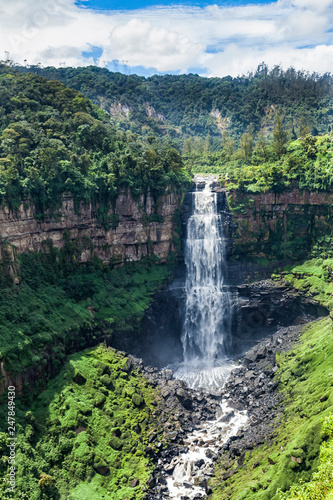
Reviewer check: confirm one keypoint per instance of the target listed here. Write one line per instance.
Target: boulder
(79, 378)
(137, 399)
(127, 365)
(184, 398)
(103, 470)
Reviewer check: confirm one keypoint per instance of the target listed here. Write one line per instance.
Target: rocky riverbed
(225, 422)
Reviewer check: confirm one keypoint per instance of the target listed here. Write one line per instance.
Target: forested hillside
(273, 163)
(53, 139)
(188, 106)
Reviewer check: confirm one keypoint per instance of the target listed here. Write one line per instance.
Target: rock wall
(280, 226)
(139, 227)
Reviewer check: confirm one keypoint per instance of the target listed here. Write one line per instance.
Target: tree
(229, 145)
(280, 136)
(261, 146)
(246, 144)
(207, 145)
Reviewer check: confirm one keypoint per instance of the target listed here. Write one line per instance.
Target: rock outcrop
(265, 306)
(132, 229)
(279, 226)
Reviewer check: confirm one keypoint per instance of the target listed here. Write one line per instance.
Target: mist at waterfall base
(206, 336)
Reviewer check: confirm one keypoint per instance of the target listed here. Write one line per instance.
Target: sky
(158, 36)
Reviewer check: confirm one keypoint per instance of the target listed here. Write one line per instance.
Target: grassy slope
(66, 312)
(95, 413)
(314, 278)
(306, 383)
(321, 485)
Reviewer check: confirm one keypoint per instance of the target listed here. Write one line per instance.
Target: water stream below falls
(206, 337)
(192, 469)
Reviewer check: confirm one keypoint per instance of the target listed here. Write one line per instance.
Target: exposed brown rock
(134, 237)
(267, 223)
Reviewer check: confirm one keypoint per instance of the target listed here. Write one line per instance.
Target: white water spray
(208, 305)
(207, 325)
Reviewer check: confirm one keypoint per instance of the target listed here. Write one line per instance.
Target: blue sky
(147, 37)
(142, 4)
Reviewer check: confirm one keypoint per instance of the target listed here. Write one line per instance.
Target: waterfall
(207, 320)
(208, 304)
(206, 336)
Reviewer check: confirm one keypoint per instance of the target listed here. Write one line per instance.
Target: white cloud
(290, 32)
(322, 5)
(235, 60)
(139, 41)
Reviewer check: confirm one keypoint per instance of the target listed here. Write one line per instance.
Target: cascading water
(207, 323)
(206, 338)
(207, 316)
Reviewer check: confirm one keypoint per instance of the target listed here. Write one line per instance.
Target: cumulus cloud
(140, 41)
(305, 21)
(225, 40)
(323, 5)
(237, 61)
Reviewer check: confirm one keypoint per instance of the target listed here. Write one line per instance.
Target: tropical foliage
(90, 434)
(53, 139)
(193, 106)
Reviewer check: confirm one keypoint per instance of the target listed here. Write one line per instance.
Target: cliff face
(290, 225)
(135, 228)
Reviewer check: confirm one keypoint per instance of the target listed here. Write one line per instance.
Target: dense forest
(277, 163)
(258, 131)
(53, 139)
(193, 106)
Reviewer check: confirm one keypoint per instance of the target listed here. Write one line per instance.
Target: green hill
(53, 139)
(186, 106)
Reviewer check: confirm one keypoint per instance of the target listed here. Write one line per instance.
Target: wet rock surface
(250, 389)
(184, 412)
(264, 306)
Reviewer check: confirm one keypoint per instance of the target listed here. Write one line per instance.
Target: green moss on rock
(86, 439)
(137, 400)
(292, 455)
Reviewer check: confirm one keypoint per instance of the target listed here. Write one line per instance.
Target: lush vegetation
(291, 455)
(53, 139)
(70, 144)
(307, 164)
(186, 102)
(313, 278)
(60, 306)
(321, 485)
(262, 164)
(300, 450)
(90, 434)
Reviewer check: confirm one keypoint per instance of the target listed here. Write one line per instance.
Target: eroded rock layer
(132, 229)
